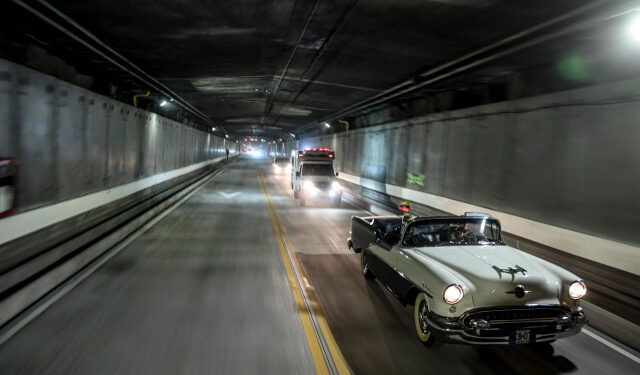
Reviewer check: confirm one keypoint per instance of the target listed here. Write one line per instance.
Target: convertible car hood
(495, 271)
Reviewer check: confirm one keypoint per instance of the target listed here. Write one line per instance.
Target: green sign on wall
(415, 179)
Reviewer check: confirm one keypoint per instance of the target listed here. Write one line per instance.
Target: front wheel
(364, 266)
(420, 311)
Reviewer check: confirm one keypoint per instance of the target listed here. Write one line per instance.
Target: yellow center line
(336, 354)
(305, 318)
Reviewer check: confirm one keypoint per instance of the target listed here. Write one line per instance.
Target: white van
(313, 178)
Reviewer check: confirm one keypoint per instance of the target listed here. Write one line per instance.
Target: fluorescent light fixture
(293, 135)
(213, 129)
(326, 124)
(634, 29)
(226, 135)
(163, 103)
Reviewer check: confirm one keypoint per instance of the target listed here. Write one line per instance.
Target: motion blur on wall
(68, 141)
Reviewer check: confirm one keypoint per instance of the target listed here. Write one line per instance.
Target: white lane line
(381, 212)
(229, 195)
(88, 271)
(611, 345)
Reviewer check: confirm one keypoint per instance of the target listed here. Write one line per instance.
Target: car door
(385, 251)
(404, 270)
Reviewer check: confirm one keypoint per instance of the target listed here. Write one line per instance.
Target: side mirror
(337, 174)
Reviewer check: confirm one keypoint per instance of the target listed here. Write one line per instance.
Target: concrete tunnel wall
(70, 141)
(569, 159)
(91, 170)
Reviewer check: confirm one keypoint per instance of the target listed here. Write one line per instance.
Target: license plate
(524, 336)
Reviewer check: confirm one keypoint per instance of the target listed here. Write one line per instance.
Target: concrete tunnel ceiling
(227, 59)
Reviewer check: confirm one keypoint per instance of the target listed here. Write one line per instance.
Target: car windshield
(317, 170)
(455, 231)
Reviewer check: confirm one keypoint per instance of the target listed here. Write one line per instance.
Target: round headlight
(453, 294)
(335, 185)
(308, 185)
(577, 289)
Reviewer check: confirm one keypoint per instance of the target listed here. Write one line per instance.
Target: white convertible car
(466, 285)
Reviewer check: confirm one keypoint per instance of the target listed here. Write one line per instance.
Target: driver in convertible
(460, 234)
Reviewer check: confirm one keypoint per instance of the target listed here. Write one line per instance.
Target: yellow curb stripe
(312, 340)
(336, 354)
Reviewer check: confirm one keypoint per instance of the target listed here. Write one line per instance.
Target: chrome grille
(501, 321)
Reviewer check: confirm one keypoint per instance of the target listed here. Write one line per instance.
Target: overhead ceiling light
(213, 129)
(634, 29)
(326, 124)
(163, 103)
(226, 135)
(293, 135)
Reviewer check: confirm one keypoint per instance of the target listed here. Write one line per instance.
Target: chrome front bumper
(543, 326)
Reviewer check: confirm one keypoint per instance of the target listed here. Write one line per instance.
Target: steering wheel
(469, 236)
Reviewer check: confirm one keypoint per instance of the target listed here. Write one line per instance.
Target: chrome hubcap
(422, 317)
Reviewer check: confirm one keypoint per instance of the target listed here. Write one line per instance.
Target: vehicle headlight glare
(453, 294)
(309, 185)
(335, 185)
(577, 289)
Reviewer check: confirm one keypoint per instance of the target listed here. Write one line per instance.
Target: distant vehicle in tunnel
(313, 178)
(465, 284)
(280, 165)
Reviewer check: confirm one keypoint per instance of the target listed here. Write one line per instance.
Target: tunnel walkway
(205, 290)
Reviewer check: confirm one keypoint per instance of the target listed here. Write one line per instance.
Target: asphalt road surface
(205, 291)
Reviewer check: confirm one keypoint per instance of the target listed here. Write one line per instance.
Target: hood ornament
(519, 291)
(511, 271)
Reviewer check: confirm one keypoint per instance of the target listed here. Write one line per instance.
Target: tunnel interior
(156, 215)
